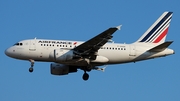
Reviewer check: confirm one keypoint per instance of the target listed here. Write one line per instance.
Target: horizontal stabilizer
(161, 47)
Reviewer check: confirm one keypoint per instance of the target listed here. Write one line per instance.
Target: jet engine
(60, 69)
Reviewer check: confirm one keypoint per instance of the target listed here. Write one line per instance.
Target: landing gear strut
(32, 64)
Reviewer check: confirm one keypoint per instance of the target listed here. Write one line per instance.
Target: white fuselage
(42, 50)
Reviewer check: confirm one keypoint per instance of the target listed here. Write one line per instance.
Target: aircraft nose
(7, 52)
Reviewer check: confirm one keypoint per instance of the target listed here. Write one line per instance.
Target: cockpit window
(18, 44)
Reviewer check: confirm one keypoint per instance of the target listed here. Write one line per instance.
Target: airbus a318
(69, 56)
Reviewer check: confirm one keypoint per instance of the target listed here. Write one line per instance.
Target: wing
(90, 48)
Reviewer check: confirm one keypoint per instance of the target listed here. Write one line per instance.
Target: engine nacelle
(60, 69)
(62, 55)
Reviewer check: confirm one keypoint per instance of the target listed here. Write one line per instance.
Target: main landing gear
(32, 64)
(85, 76)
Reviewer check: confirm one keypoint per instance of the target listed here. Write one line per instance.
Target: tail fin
(158, 31)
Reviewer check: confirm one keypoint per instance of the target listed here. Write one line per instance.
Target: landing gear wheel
(32, 64)
(85, 76)
(30, 69)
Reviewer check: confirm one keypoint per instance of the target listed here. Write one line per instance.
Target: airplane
(70, 56)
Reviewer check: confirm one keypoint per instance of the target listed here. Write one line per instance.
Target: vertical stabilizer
(158, 31)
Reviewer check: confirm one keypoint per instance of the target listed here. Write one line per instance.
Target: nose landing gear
(30, 69)
(32, 64)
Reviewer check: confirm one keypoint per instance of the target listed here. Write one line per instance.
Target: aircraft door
(132, 51)
(32, 45)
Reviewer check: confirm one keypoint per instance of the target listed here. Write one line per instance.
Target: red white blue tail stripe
(158, 31)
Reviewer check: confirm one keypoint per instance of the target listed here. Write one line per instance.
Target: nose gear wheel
(32, 65)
